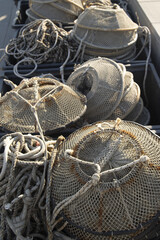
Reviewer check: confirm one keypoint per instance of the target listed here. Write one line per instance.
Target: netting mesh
(135, 113)
(57, 11)
(106, 181)
(106, 28)
(129, 100)
(56, 105)
(102, 81)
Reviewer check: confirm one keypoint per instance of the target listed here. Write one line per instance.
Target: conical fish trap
(102, 82)
(57, 11)
(40, 102)
(106, 182)
(105, 31)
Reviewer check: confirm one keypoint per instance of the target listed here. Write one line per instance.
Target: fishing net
(129, 100)
(23, 162)
(137, 110)
(106, 182)
(101, 80)
(106, 30)
(72, 7)
(38, 42)
(57, 11)
(40, 103)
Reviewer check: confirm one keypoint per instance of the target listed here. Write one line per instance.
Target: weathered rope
(22, 162)
(40, 41)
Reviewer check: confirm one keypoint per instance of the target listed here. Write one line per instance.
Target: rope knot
(116, 183)
(33, 109)
(95, 178)
(68, 153)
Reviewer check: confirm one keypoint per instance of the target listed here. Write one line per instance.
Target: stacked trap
(60, 12)
(106, 31)
(110, 90)
(106, 182)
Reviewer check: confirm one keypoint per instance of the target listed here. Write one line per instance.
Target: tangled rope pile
(41, 40)
(24, 159)
(38, 42)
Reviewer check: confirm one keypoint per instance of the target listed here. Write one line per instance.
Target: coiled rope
(22, 158)
(38, 42)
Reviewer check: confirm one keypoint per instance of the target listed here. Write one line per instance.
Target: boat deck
(148, 12)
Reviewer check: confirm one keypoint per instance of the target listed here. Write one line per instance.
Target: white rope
(147, 63)
(63, 65)
(142, 159)
(80, 46)
(18, 223)
(29, 60)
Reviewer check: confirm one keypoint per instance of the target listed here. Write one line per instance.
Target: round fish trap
(101, 80)
(130, 98)
(106, 30)
(40, 103)
(137, 110)
(57, 11)
(106, 182)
